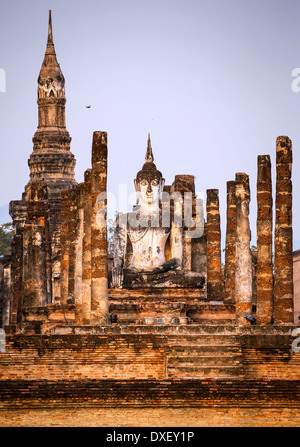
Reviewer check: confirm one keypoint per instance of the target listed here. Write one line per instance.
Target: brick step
(191, 330)
(220, 321)
(174, 331)
(205, 372)
(204, 340)
(204, 360)
(205, 334)
(202, 349)
(217, 328)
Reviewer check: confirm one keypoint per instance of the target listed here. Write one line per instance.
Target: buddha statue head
(149, 181)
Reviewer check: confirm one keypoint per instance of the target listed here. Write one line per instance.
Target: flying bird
(88, 107)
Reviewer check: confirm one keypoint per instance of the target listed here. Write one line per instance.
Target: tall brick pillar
(64, 236)
(99, 273)
(243, 259)
(79, 253)
(185, 184)
(17, 276)
(283, 285)
(264, 271)
(72, 218)
(214, 281)
(229, 270)
(86, 248)
(34, 266)
(6, 291)
(18, 212)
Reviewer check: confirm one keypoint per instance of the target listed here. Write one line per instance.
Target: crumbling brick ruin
(67, 326)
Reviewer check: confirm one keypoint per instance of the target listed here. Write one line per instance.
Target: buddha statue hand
(171, 264)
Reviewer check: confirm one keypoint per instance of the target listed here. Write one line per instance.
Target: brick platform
(203, 371)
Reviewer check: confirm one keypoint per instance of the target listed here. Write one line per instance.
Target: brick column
(64, 263)
(99, 260)
(17, 276)
(86, 248)
(186, 184)
(283, 284)
(37, 215)
(78, 253)
(214, 282)
(264, 271)
(34, 266)
(6, 291)
(72, 220)
(199, 258)
(18, 212)
(243, 259)
(229, 270)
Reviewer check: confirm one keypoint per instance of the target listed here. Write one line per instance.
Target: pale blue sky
(211, 80)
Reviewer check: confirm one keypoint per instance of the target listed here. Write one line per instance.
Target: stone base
(145, 306)
(171, 279)
(172, 313)
(174, 306)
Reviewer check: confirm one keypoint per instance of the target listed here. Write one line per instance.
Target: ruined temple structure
(161, 306)
(35, 264)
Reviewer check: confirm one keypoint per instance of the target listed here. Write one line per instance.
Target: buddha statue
(149, 231)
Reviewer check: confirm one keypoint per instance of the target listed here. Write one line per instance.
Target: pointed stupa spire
(149, 169)
(149, 154)
(50, 45)
(51, 76)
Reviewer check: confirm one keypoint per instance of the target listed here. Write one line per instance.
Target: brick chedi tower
(51, 160)
(37, 217)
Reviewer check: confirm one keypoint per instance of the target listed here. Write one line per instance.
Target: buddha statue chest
(148, 246)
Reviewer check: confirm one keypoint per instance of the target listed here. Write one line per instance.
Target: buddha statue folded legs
(171, 278)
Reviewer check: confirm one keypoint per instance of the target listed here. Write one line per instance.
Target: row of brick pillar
(84, 276)
(274, 280)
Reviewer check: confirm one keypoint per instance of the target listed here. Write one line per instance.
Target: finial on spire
(149, 154)
(50, 44)
(149, 170)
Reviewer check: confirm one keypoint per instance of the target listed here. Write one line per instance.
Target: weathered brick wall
(74, 357)
(270, 357)
(133, 356)
(119, 380)
(149, 393)
(272, 364)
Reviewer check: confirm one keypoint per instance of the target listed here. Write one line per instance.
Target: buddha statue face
(149, 185)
